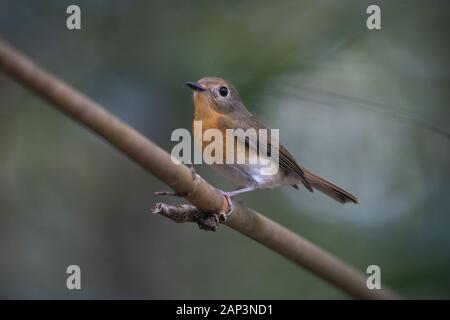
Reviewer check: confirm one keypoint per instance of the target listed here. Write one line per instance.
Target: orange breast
(205, 113)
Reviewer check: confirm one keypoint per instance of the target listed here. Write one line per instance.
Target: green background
(367, 109)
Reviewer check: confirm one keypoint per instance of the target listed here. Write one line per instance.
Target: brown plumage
(219, 106)
(329, 188)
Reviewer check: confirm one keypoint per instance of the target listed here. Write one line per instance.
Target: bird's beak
(195, 86)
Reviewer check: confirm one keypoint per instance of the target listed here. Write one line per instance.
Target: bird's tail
(329, 188)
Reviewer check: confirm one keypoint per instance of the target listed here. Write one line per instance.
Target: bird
(218, 105)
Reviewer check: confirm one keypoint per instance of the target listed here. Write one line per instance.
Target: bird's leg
(238, 191)
(228, 194)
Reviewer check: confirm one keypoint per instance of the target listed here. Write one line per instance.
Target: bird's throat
(203, 108)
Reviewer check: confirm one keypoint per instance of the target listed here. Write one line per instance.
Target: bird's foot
(228, 195)
(223, 216)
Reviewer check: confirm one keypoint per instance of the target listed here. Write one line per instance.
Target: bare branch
(178, 177)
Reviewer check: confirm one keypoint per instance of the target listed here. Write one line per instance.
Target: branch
(179, 178)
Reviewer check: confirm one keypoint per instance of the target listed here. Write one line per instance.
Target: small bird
(219, 106)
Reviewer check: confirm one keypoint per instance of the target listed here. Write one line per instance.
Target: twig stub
(188, 213)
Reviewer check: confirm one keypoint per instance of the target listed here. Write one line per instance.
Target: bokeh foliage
(364, 108)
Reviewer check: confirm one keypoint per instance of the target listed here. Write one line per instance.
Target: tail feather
(329, 188)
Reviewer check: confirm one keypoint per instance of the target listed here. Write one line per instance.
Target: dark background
(367, 109)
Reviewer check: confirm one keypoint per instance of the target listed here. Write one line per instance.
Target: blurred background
(367, 109)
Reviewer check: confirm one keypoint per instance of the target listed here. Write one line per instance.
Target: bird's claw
(223, 216)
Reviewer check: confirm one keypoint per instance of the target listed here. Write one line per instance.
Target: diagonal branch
(178, 177)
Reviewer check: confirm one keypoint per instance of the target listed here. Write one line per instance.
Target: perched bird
(219, 106)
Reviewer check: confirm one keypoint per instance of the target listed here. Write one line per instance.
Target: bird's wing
(286, 160)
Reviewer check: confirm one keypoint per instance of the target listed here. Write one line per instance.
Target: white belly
(251, 175)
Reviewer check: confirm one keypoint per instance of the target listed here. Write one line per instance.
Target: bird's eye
(223, 91)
